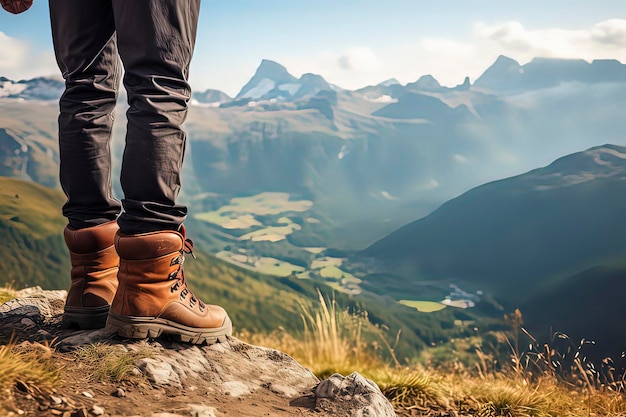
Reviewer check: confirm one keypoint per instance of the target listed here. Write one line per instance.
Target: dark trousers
(155, 41)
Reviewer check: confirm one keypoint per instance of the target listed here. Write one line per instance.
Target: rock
(227, 374)
(158, 372)
(352, 396)
(119, 393)
(97, 410)
(202, 411)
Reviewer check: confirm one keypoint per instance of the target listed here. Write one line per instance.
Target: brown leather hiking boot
(94, 275)
(153, 298)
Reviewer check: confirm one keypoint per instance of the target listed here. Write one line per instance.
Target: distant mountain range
(380, 156)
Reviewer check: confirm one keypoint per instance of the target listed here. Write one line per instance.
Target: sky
(354, 43)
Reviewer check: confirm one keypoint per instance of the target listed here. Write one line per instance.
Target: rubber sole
(150, 327)
(85, 318)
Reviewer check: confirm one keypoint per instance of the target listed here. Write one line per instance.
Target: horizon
(58, 77)
(354, 44)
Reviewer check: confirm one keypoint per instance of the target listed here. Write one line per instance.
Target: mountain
(507, 75)
(512, 237)
(425, 83)
(422, 106)
(550, 242)
(35, 89)
(211, 97)
(272, 81)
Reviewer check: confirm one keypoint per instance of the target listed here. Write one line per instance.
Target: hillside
(550, 242)
(586, 305)
(31, 224)
(509, 236)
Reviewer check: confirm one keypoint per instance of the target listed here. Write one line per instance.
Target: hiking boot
(153, 298)
(94, 275)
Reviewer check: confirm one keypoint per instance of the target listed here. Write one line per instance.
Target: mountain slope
(32, 250)
(510, 236)
(586, 305)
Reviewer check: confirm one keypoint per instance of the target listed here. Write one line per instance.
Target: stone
(158, 372)
(352, 396)
(97, 410)
(202, 411)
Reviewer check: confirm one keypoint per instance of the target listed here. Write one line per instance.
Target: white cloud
(359, 59)
(12, 53)
(450, 60)
(18, 61)
(460, 159)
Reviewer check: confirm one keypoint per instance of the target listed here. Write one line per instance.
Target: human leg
(155, 41)
(83, 35)
(84, 44)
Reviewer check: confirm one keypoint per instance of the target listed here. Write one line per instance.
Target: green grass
(239, 213)
(423, 306)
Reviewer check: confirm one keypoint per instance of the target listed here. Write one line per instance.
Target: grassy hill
(32, 250)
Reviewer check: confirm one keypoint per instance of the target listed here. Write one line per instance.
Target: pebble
(120, 393)
(28, 322)
(56, 400)
(96, 410)
(87, 394)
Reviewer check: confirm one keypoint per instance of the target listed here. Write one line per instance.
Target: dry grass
(114, 362)
(27, 365)
(333, 340)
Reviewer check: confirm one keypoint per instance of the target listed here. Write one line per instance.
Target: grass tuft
(114, 362)
(7, 293)
(28, 365)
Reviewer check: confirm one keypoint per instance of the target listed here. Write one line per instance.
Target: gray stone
(159, 372)
(352, 396)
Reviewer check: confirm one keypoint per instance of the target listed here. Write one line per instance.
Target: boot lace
(179, 276)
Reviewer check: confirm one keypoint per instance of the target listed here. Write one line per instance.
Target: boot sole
(85, 318)
(149, 327)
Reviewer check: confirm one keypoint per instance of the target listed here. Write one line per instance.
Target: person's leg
(155, 40)
(84, 44)
(83, 35)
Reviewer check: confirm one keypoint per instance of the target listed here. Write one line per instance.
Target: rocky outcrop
(230, 378)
